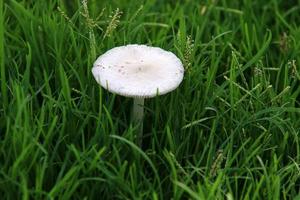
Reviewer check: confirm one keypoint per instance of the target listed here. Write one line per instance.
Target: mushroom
(140, 72)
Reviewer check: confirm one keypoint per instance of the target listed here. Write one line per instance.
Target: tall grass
(230, 131)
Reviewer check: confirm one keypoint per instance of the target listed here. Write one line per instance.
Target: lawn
(229, 131)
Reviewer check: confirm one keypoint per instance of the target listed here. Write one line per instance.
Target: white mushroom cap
(138, 71)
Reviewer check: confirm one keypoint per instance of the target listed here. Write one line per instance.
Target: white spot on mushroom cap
(138, 71)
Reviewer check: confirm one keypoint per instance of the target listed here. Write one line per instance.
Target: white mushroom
(138, 71)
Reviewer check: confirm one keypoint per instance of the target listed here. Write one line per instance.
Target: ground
(229, 131)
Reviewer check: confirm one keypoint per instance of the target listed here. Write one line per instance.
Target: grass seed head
(113, 22)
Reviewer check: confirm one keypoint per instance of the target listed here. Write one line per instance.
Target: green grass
(230, 131)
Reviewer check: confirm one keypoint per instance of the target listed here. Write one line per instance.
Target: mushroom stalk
(137, 117)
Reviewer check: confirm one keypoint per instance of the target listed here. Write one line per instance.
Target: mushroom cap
(138, 71)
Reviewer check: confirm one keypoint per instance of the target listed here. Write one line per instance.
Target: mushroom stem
(137, 117)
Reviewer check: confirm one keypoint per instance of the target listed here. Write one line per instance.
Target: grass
(230, 131)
